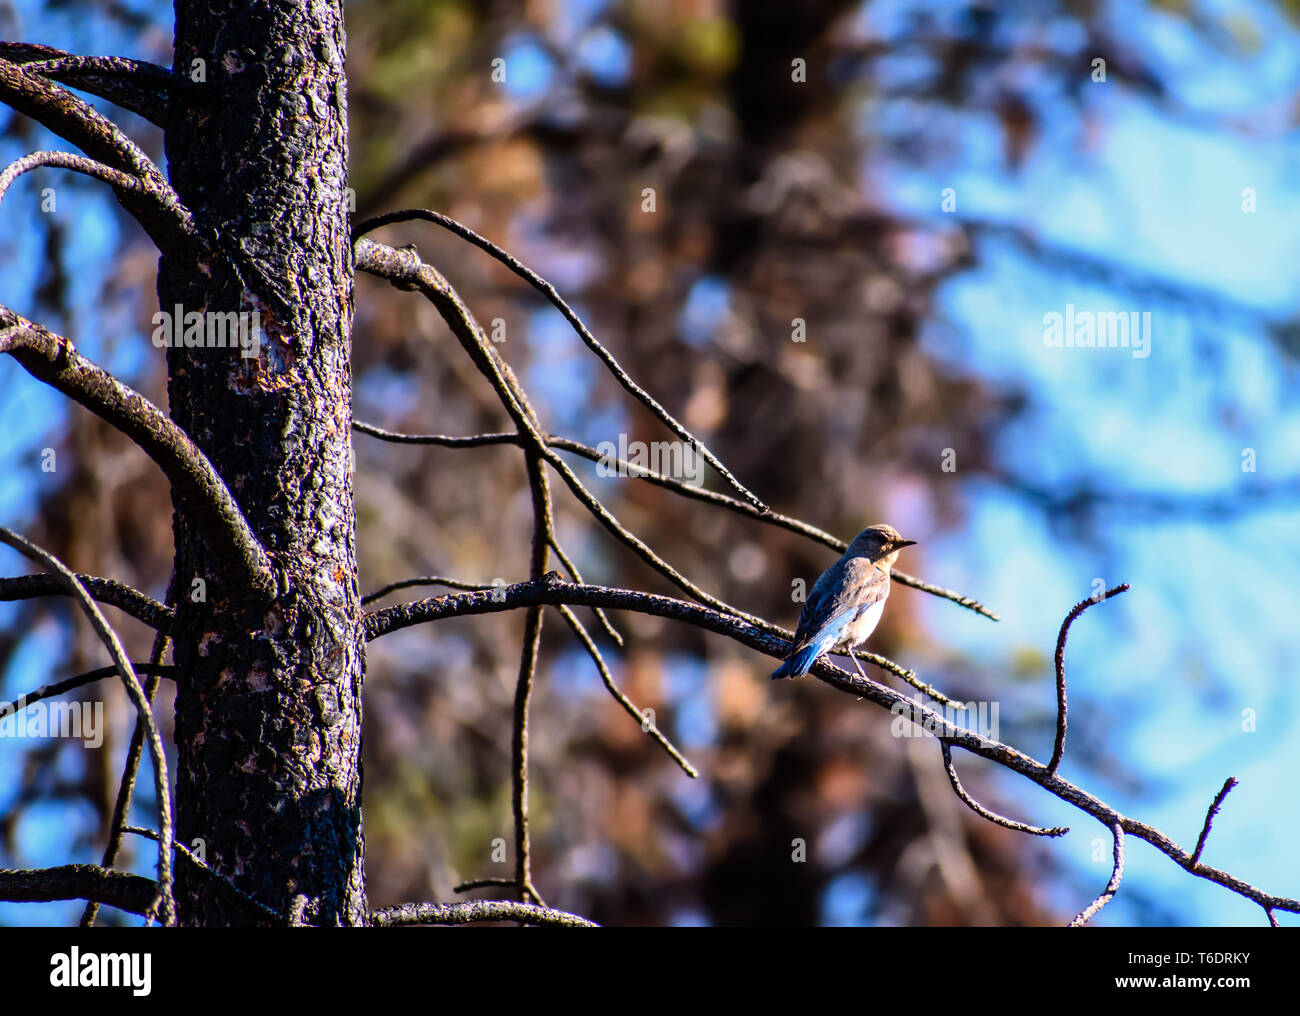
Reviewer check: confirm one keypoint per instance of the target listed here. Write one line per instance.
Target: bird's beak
(900, 544)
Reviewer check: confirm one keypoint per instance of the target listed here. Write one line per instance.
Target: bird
(846, 601)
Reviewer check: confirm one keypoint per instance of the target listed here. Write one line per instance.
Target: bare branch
(601, 616)
(423, 580)
(1059, 750)
(405, 270)
(771, 518)
(46, 691)
(622, 699)
(979, 809)
(158, 209)
(477, 910)
(552, 589)
(1228, 785)
(69, 160)
(132, 893)
(543, 533)
(444, 440)
(484, 883)
(143, 608)
(688, 490)
(549, 291)
(53, 359)
(256, 905)
(907, 675)
(143, 88)
(164, 902)
(131, 768)
(1112, 887)
(75, 121)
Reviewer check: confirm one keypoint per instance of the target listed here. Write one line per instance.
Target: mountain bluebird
(845, 604)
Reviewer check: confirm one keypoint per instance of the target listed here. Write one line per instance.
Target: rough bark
(268, 713)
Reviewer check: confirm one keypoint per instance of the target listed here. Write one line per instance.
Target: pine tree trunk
(268, 713)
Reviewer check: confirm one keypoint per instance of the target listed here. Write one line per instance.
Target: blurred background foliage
(774, 201)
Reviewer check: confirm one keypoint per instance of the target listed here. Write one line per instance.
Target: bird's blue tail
(799, 663)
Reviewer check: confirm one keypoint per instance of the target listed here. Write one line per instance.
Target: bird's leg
(854, 657)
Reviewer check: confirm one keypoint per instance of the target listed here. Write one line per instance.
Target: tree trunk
(268, 711)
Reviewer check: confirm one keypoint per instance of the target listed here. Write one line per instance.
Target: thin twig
(69, 160)
(1228, 785)
(80, 681)
(1009, 823)
(443, 440)
(1058, 751)
(164, 901)
(1112, 887)
(131, 768)
(576, 626)
(549, 291)
(423, 580)
(261, 908)
(543, 531)
(484, 883)
(907, 675)
(614, 635)
(772, 518)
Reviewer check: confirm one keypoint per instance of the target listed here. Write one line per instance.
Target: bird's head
(879, 544)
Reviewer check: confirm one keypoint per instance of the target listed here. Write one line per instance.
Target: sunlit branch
(54, 360)
(1061, 704)
(474, 911)
(405, 270)
(1228, 785)
(1112, 887)
(143, 88)
(158, 209)
(614, 635)
(983, 812)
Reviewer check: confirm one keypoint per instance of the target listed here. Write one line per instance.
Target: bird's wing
(844, 590)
